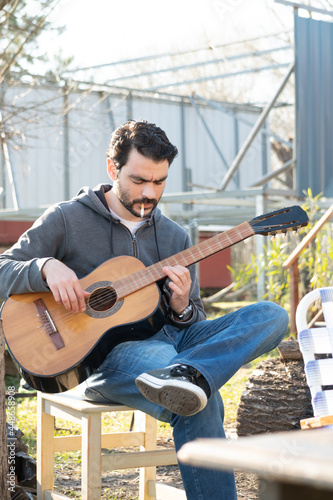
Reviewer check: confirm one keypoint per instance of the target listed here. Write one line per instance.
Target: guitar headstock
(280, 221)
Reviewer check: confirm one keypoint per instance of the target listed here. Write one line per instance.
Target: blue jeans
(217, 348)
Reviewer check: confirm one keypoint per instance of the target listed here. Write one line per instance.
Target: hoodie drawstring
(156, 242)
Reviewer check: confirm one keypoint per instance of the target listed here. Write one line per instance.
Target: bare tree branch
(35, 29)
(3, 3)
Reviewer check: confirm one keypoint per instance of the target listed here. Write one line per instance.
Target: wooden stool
(69, 406)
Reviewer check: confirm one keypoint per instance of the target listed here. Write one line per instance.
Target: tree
(21, 24)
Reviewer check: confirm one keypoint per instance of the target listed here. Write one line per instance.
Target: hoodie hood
(95, 198)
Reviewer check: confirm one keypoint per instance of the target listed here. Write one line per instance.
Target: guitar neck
(192, 255)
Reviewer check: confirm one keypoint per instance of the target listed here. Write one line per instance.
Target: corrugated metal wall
(314, 105)
(61, 153)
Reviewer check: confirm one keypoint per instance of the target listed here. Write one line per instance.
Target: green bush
(315, 262)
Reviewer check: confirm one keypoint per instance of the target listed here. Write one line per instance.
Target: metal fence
(64, 137)
(314, 105)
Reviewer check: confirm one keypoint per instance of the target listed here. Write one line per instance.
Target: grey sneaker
(179, 388)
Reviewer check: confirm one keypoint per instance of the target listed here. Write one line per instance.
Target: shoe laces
(184, 371)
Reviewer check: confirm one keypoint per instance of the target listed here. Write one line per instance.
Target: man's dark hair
(148, 139)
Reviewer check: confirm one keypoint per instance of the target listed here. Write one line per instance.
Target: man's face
(140, 181)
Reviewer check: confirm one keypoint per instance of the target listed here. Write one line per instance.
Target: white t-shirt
(133, 226)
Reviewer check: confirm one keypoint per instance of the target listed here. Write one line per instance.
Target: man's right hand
(65, 285)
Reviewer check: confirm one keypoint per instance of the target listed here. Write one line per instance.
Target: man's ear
(112, 169)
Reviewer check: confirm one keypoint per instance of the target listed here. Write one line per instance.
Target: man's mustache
(147, 201)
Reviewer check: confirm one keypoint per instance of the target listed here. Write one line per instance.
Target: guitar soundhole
(102, 299)
(102, 302)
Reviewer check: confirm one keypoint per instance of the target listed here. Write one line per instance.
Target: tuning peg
(285, 237)
(295, 233)
(274, 237)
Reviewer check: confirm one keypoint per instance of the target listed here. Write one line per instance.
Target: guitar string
(104, 298)
(106, 294)
(144, 278)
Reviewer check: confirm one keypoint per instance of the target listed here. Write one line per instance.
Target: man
(175, 374)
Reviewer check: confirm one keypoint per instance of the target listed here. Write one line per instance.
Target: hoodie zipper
(134, 245)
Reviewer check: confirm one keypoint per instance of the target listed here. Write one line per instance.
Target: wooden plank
(67, 443)
(115, 440)
(162, 491)
(148, 425)
(315, 422)
(58, 411)
(294, 456)
(122, 439)
(72, 399)
(45, 452)
(91, 457)
(136, 459)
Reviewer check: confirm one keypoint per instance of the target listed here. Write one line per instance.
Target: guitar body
(55, 350)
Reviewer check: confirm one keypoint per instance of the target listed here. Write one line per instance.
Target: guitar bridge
(48, 324)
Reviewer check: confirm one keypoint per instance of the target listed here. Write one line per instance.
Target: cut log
(276, 398)
(289, 350)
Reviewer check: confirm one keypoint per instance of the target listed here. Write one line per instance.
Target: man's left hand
(180, 286)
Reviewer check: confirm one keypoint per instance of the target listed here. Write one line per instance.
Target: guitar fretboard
(192, 255)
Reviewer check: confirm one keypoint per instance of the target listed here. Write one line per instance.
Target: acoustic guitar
(56, 350)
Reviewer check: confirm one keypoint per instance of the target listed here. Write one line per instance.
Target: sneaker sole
(173, 395)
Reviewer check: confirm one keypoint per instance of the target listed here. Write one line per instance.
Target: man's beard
(129, 204)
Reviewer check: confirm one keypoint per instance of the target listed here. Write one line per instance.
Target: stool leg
(91, 457)
(147, 424)
(45, 449)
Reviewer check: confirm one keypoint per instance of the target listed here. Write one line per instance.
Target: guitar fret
(201, 252)
(187, 257)
(150, 275)
(228, 238)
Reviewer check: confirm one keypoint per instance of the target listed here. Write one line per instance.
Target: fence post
(293, 295)
(292, 264)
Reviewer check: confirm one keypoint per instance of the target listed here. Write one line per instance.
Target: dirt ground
(275, 399)
(125, 484)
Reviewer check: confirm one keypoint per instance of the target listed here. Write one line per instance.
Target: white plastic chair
(316, 345)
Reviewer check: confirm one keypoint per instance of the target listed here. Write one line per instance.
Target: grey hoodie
(82, 234)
